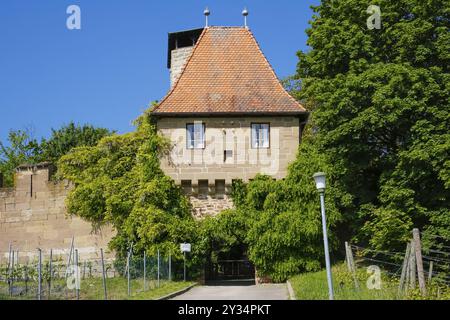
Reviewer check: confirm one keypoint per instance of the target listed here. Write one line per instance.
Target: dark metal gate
(226, 270)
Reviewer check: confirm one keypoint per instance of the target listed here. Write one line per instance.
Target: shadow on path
(231, 283)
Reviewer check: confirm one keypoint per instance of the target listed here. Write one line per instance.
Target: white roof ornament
(207, 13)
(245, 13)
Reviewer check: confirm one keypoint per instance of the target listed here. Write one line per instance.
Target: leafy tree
(22, 148)
(70, 136)
(223, 236)
(380, 106)
(119, 182)
(285, 236)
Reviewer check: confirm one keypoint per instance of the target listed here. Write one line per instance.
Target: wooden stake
(347, 257)
(408, 271)
(430, 272)
(419, 261)
(412, 266)
(351, 265)
(404, 275)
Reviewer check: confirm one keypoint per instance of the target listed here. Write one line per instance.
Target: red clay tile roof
(227, 73)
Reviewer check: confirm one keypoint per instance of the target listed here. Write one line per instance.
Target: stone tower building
(227, 115)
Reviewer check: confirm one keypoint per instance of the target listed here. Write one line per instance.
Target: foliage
(68, 137)
(379, 102)
(223, 235)
(22, 148)
(282, 235)
(286, 234)
(119, 182)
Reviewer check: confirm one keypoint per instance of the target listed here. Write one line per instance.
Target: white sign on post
(185, 247)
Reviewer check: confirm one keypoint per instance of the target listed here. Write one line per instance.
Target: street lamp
(320, 179)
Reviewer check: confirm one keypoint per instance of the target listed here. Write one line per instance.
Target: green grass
(313, 286)
(92, 289)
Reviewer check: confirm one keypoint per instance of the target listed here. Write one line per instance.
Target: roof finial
(207, 13)
(245, 14)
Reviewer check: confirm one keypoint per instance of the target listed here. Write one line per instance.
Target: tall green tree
(23, 148)
(69, 136)
(380, 105)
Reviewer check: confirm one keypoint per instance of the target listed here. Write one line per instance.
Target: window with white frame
(260, 135)
(195, 135)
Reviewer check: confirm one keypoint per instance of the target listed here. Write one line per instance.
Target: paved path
(261, 292)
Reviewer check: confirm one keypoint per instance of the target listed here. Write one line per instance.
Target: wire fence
(427, 261)
(67, 276)
(436, 257)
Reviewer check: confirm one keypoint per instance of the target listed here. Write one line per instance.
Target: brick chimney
(181, 45)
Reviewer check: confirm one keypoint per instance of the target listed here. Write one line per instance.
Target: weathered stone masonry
(33, 215)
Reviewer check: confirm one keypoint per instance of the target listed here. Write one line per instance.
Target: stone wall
(210, 206)
(33, 215)
(232, 134)
(224, 134)
(178, 60)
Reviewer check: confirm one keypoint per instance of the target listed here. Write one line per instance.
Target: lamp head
(320, 179)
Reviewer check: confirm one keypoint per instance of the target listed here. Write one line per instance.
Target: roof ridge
(226, 27)
(177, 80)
(273, 70)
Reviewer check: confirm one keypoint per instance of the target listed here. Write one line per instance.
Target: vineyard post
(40, 274)
(170, 267)
(145, 271)
(419, 261)
(347, 257)
(50, 274)
(405, 274)
(77, 274)
(352, 265)
(412, 266)
(9, 269)
(103, 274)
(430, 272)
(12, 274)
(159, 266)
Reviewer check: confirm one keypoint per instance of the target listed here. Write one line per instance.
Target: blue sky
(108, 72)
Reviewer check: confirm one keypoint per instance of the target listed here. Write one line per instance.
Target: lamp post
(320, 179)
